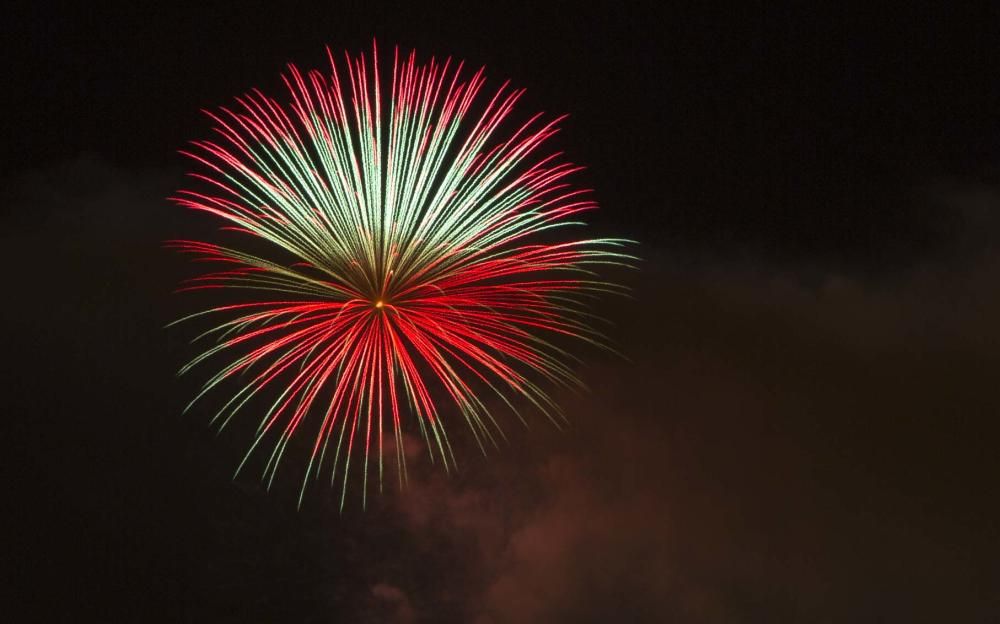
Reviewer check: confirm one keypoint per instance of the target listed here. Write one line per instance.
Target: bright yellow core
(379, 304)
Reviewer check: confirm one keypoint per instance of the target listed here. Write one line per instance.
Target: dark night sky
(805, 430)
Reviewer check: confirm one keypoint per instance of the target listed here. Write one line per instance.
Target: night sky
(804, 429)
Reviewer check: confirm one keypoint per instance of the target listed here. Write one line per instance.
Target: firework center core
(379, 303)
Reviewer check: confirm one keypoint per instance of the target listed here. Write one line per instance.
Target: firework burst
(414, 267)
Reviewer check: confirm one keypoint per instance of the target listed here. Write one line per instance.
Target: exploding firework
(412, 264)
